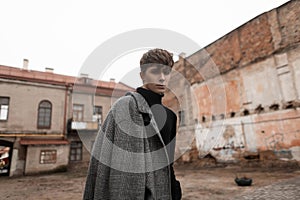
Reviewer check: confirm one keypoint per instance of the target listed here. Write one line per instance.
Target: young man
(133, 154)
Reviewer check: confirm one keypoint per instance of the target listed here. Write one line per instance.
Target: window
(44, 114)
(181, 118)
(97, 115)
(76, 151)
(77, 112)
(48, 156)
(4, 103)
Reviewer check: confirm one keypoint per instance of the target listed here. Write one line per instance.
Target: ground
(197, 182)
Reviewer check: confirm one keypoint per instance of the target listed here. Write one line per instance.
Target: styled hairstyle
(156, 56)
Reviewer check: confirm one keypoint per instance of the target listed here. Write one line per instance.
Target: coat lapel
(143, 107)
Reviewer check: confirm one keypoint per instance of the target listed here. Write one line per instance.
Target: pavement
(289, 189)
(197, 183)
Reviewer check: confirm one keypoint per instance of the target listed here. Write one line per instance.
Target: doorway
(6, 149)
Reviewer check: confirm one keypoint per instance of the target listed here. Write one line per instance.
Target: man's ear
(142, 75)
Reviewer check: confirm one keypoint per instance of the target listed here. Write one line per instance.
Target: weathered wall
(264, 89)
(247, 88)
(105, 102)
(24, 103)
(33, 165)
(271, 32)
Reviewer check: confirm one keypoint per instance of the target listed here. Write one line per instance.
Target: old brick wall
(271, 32)
(248, 82)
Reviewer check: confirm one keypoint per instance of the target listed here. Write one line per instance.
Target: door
(5, 157)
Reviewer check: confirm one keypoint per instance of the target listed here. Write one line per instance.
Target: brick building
(46, 118)
(243, 91)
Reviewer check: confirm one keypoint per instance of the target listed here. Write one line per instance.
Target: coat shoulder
(122, 101)
(124, 107)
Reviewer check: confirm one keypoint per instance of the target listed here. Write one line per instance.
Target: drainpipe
(65, 109)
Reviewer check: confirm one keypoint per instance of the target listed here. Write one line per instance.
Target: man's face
(156, 78)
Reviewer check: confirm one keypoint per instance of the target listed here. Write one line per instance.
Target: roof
(14, 73)
(43, 142)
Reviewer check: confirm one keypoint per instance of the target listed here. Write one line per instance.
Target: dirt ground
(197, 182)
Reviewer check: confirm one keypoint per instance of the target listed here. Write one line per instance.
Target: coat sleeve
(98, 172)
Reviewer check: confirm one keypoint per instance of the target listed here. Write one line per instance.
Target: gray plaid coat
(128, 156)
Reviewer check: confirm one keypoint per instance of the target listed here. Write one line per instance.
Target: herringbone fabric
(127, 156)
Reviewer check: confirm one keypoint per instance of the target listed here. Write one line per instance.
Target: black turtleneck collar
(151, 97)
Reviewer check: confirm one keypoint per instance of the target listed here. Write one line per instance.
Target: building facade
(45, 117)
(244, 89)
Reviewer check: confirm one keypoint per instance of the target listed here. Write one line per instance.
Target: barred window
(76, 151)
(4, 104)
(48, 156)
(44, 114)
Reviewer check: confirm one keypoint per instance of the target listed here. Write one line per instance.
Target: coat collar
(141, 103)
(142, 106)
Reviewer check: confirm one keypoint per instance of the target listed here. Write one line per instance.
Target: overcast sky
(62, 34)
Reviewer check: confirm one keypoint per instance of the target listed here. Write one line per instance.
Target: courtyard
(197, 182)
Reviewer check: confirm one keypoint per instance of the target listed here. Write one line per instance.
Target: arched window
(44, 114)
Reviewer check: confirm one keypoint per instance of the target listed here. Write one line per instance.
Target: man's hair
(156, 56)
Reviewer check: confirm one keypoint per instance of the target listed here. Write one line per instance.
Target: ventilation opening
(222, 116)
(252, 157)
(274, 106)
(232, 114)
(288, 105)
(210, 159)
(213, 118)
(246, 112)
(259, 109)
(203, 118)
(291, 104)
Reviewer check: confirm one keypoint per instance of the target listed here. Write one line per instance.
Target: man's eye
(155, 71)
(166, 71)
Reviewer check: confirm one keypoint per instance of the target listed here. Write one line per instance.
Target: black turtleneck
(166, 121)
(151, 97)
(165, 118)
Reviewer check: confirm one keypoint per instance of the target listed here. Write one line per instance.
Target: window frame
(82, 118)
(52, 155)
(75, 148)
(101, 114)
(38, 117)
(7, 114)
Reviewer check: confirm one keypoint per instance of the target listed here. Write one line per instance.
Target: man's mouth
(160, 86)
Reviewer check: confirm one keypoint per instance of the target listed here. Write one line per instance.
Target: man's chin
(160, 91)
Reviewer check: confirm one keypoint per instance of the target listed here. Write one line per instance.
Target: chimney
(83, 75)
(25, 64)
(181, 56)
(84, 78)
(112, 80)
(49, 70)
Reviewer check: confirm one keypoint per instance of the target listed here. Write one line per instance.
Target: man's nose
(162, 77)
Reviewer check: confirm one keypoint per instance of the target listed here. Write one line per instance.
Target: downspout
(65, 109)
